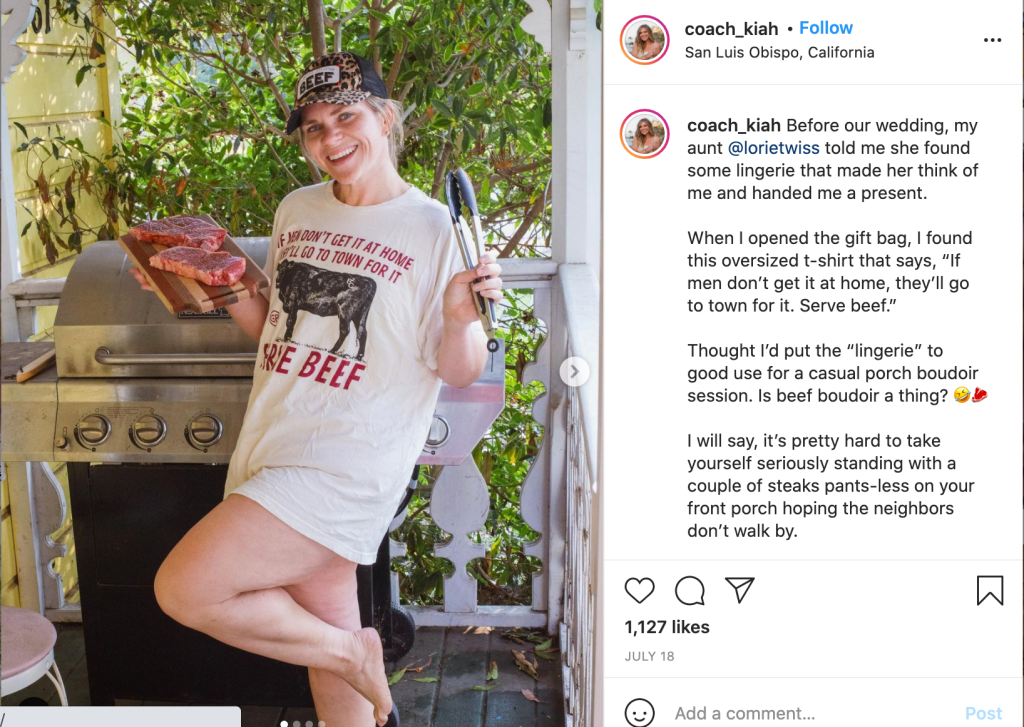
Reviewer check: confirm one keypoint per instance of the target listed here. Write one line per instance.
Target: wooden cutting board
(181, 294)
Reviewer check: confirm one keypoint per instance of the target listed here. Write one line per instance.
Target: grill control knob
(439, 432)
(148, 431)
(204, 431)
(92, 430)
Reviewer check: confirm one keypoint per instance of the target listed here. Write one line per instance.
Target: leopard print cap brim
(331, 95)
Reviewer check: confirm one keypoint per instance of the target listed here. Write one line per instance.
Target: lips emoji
(979, 394)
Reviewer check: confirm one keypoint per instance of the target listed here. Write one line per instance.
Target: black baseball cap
(341, 78)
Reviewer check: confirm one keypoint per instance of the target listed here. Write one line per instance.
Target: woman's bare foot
(362, 666)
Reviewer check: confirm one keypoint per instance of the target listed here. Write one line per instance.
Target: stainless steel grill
(145, 407)
(135, 383)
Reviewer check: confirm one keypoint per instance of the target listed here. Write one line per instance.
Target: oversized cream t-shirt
(345, 382)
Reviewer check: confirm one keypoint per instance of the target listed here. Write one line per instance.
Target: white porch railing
(558, 498)
(580, 624)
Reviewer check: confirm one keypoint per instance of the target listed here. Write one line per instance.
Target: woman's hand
(137, 274)
(462, 354)
(459, 304)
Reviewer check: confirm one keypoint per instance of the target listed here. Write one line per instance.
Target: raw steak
(181, 230)
(212, 268)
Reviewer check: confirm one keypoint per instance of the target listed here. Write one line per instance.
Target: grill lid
(107, 326)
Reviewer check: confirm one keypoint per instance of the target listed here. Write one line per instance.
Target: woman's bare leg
(331, 596)
(226, 579)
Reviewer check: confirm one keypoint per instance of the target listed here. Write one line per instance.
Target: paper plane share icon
(741, 586)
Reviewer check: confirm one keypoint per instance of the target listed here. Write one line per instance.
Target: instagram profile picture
(644, 39)
(644, 133)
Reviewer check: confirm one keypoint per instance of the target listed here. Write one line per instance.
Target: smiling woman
(388, 111)
(334, 424)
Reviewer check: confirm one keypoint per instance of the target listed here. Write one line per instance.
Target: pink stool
(28, 640)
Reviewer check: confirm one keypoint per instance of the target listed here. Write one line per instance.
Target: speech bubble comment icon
(690, 591)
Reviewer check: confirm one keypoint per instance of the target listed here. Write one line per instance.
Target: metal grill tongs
(459, 191)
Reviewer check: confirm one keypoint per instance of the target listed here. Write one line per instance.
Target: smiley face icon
(639, 713)
(962, 394)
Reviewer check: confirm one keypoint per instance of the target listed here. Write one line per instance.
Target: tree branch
(405, 92)
(442, 163)
(340, 22)
(374, 29)
(521, 169)
(396, 64)
(531, 216)
(316, 26)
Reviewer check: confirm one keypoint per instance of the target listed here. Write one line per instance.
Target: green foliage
(504, 457)
(203, 114)
(204, 109)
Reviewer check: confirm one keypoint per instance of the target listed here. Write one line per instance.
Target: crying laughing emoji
(962, 394)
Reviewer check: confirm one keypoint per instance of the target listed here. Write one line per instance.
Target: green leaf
(425, 680)
(81, 74)
(442, 108)
(99, 47)
(396, 677)
(21, 129)
(25, 228)
(485, 688)
(493, 673)
(544, 646)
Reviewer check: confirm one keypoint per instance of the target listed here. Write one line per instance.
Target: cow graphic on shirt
(326, 293)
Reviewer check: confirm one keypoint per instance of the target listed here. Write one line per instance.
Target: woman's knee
(176, 592)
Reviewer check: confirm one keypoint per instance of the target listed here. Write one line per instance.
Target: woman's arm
(463, 349)
(462, 354)
(251, 315)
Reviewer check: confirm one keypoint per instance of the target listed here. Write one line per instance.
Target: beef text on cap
(341, 78)
(328, 76)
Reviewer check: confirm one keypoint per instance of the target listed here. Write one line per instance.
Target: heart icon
(639, 589)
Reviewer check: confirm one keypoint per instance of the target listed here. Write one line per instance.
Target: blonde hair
(637, 135)
(389, 111)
